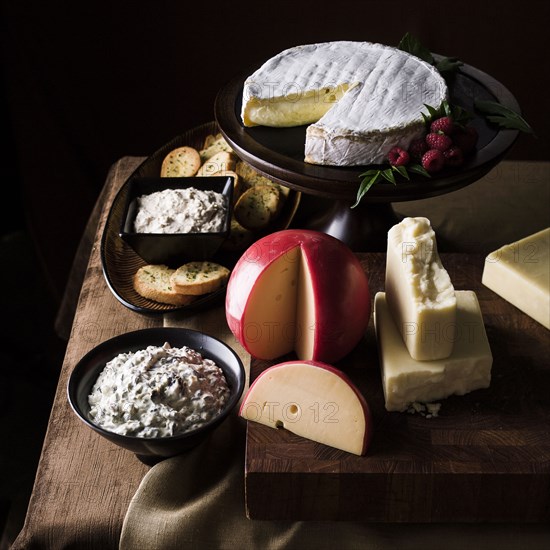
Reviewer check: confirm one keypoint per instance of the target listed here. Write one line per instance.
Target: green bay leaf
(412, 45)
(402, 170)
(388, 175)
(366, 184)
(503, 116)
(419, 169)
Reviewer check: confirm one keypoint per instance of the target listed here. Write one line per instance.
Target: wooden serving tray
(486, 457)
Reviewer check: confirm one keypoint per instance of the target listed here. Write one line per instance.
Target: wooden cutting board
(486, 457)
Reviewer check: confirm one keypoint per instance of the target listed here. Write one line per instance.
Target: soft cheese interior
(419, 290)
(295, 109)
(362, 99)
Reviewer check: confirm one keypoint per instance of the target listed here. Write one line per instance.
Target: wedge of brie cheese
(406, 381)
(419, 291)
(360, 99)
(520, 273)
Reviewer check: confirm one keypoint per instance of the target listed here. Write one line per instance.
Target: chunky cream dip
(180, 211)
(157, 392)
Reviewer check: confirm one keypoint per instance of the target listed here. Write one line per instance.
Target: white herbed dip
(157, 392)
(180, 211)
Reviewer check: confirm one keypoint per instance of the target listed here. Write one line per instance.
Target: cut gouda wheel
(301, 291)
(313, 400)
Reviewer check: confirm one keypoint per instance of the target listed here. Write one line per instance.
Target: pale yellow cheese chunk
(311, 401)
(419, 290)
(406, 380)
(270, 317)
(305, 313)
(520, 273)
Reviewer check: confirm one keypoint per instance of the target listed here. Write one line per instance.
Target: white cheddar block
(520, 273)
(419, 290)
(406, 381)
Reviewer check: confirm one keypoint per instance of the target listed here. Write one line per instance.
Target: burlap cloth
(197, 500)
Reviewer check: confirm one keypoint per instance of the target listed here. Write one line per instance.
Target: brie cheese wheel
(419, 290)
(360, 99)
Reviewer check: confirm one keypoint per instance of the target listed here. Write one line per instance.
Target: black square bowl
(175, 248)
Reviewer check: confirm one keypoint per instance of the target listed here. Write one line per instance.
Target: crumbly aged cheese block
(360, 99)
(313, 400)
(520, 273)
(419, 290)
(407, 381)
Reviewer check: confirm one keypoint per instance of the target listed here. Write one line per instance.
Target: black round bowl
(151, 450)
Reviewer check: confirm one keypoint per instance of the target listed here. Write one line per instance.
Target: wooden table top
(84, 484)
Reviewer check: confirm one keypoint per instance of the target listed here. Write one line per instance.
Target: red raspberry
(398, 157)
(453, 156)
(433, 160)
(417, 148)
(444, 124)
(465, 139)
(441, 142)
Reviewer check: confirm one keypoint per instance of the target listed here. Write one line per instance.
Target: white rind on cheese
(406, 381)
(360, 98)
(419, 290)
(311, 400)
(520, 273)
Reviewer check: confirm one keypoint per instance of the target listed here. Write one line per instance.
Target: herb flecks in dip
(157, 392)
(181, 211)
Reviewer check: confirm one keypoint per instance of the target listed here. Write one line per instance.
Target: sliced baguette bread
(209, 140)
(258, 206)
(197, 278)
(154, 283)
(236, 181)
(181, 162)
(215, 147)
(220, 162)
(252, 177)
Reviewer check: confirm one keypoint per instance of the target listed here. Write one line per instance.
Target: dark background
(84, 84)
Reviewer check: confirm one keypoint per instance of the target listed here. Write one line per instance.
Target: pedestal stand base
(363, 228)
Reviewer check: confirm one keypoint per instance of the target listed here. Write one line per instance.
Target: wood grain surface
(81, 474)
(486, 457)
